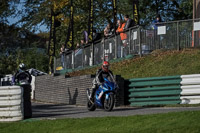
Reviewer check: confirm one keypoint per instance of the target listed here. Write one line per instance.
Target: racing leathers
(99, 80)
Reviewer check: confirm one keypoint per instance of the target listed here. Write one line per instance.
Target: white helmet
(22, 66)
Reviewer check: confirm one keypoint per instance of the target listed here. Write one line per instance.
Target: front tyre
(91, 106)
(109, 102)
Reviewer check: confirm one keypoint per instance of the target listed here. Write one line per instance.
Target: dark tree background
(19, 42)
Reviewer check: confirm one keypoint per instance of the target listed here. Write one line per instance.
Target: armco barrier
(190, 86)
(155, 91)
(184, 89)
(11, 103)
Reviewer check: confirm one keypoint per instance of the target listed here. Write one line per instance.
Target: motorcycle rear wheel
(109, 103)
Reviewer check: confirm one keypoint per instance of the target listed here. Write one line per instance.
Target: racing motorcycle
(104, 96)
(21, 79)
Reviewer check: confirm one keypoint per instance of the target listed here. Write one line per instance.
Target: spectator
(96, 36)
(129, 22)
(62, 54)
(123, 36)
(120, 30)
(109, 30)
(157, 20)
(84, 39)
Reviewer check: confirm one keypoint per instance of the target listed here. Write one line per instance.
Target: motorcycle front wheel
(90, 106)
(109, 103)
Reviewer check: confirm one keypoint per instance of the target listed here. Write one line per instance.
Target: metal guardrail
(155, 91)
(183, 89)
(173, 35)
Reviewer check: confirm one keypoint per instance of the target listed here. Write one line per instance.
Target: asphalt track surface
(60, 111)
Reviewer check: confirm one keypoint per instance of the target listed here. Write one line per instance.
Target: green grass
(179, 122)
(159, 63)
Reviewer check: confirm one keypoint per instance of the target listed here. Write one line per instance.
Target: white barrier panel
(11, 108)
(190, 87)
(190, 76)
(10, 92)
(190, 81)
(190, 101)
(33, 88)
(10, 87)
(11, 103)
(10, 113)
(9, 119)
(190, 93)
(10, 97)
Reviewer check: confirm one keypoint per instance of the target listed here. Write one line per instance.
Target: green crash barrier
(155, 88)
(155, 103)
(155, 83)
(154, 99)
(155, 91)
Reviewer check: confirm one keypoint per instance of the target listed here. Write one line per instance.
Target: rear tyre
(109, 103)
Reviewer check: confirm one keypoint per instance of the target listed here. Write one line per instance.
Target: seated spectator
(96, 36)
(109, 30)
(157, 20)
(129, 22)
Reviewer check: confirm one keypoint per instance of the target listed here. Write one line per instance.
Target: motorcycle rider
(102, 73)
(22, 74)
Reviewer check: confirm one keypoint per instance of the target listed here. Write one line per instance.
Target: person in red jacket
(123, 35)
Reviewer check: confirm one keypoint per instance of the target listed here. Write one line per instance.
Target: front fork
(88, 94)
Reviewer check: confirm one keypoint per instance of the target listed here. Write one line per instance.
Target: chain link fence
(174, 35)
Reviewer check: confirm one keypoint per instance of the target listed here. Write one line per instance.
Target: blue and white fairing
(106, 88)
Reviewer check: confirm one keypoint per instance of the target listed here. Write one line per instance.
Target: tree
(7, 8)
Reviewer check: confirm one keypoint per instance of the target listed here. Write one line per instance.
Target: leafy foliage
(33, 58)
(33, 13)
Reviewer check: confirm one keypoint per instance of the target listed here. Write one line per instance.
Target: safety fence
(173, 35)
(183, 89)
(11, 103)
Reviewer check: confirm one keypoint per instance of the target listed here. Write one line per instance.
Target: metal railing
(173, 35)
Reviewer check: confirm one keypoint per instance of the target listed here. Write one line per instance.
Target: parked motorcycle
(104, 96)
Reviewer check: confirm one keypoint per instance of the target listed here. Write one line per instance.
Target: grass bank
(179, 122)
(158, 63)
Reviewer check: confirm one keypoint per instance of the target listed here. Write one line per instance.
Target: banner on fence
(90, 22)
(136, 11)
(69, 43)
(114, 3)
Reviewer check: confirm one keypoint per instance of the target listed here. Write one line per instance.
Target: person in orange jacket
(123, 35)
(120, 30)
